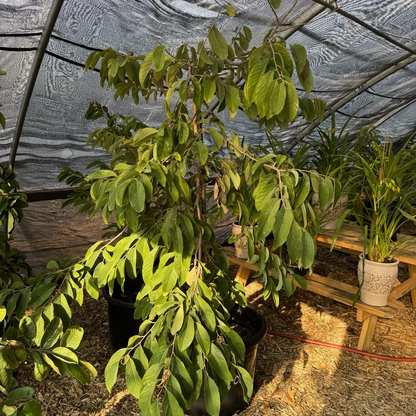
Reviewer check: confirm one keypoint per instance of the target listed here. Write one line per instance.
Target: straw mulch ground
(292, 378)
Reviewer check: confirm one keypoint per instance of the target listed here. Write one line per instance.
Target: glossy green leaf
(218, 43)
(294, 242)
(145, 67)
(19, 394)
(267, 218)
(308, 250)
(203, 338)
(200, 152)
(304, 191)
(230, 10)
(186, 335)
(170, 405)
(207, 314)
(178, 321)
(158, 57)
(111, 370)
(282, 225)
(72, 337)
(212, 396)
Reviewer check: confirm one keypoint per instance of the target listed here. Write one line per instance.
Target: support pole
(34, 70)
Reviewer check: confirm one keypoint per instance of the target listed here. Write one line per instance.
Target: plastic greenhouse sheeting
(353, 67)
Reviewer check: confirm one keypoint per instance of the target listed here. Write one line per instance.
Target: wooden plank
(350, 240)
(347, 298)
(413, 293)
(403, 288)
(367, 332)
(348, 288)
(242, 275)
(230, 251)
(362, 316)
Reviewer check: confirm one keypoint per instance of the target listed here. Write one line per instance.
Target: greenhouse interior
(207, 207)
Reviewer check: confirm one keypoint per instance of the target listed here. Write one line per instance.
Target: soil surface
(292, 378)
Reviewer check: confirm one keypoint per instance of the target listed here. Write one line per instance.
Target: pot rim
(395, 261)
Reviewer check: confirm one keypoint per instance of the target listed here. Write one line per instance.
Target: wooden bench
(350, 241)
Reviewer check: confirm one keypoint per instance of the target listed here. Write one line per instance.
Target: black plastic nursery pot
(245, 318)
(122, 324)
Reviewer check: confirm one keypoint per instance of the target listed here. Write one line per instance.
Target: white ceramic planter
(241, 248)
(330, 215)
(379, 280)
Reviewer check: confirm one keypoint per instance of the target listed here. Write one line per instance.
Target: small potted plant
(155, 187)
(383, 196)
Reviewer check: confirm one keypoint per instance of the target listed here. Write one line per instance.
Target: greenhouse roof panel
(346, 60)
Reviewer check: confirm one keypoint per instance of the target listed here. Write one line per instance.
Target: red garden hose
(340, 347)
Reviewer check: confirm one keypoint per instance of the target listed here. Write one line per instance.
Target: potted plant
(383, 194)
(155, 189)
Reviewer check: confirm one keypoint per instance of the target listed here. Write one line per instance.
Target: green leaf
(299, 56)
(52, 333)
(275, 3)
(158, 57)
(218, 43)
(294, 242)
(267, 218)
(72, 337)
(145, 67)
(246, 382)
(282, 225)
(186, 336)
(170, 406)
(319, 108)
(143, 135)
(183, 131)
(32, 409)
(137, 195)
(230, 10)
(308, 109)
(40, 294)
(200, 152)
(216, 136)
(207, 314)
(235, 342)
(41, 370)
(111, 370)
(304, 191)
(133, 378)
(79, 373)
(209, 89)
(19, 394)
(277, 97)
(219, 364)
(324, 192)
(253, 79)
(308, 251)
(212, 396)
(65, 355)
(262, 93)
(292, 100)
(178, 321)
(232, 98)
(99, 174)
(27, 328)
(2, 312)
(203, 338)
(2, 121)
